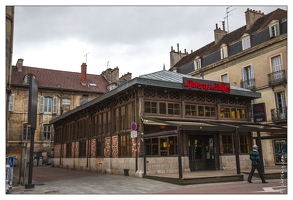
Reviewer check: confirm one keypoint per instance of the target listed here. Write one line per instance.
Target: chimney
(251, 16)
(219, 34)
(19, 64)
(176, 56)
(127, 76)
(83, 74)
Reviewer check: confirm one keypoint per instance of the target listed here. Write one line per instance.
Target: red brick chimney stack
(83, 74)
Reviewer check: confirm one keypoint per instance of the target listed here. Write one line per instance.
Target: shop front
(183, 124)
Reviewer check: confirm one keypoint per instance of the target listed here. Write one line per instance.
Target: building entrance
(201, 152)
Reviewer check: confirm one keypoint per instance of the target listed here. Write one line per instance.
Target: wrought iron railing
(248, 84)
(276, 78)
(279, 114)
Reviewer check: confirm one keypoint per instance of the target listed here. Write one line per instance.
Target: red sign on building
(206, 85)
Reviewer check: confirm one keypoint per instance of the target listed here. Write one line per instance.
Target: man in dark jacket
(255, 164)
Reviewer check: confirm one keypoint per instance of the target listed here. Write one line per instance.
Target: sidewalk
(54, 180)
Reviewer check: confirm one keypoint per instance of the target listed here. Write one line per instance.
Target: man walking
(255, 164)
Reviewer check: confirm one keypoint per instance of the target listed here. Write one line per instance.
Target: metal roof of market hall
(163, 78)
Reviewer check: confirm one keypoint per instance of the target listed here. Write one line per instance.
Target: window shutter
(54, 105)
(41, 104)
(243, 74)
(251, 72)
(11, 102)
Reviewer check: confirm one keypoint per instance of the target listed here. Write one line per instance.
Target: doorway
(201, 152)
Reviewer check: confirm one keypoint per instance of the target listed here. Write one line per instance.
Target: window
(277, 68)
(244, 144)
(197, 63)
(201, 111)
(227, 146)
(165, 146)
(224, 78)
(150, 107)
(224, 51)
(84, 100)
(248, 77)
(173, 109)
(82, 149)
(11, 102)
(27, 78)
(26, 132)
(190, 110)
(100, 147)
(125, 146)
(152, 146)
(48, 104)
(274, 29)
(68, 150)
(164, 108)
(281, 105)
(65, 106)
(235, 113)
(46, 132)
(246, 42)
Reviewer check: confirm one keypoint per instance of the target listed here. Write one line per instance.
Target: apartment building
(253, 57)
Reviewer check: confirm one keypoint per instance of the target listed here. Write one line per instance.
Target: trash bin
(126, 172)
(35, 162)
(40, 162)
(49, 160)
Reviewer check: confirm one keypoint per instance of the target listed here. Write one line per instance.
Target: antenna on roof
(107, 65)
(227, 14)
(86, 57)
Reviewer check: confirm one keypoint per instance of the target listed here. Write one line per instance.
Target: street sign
(11, 161)
(133, 134)
(133, 126)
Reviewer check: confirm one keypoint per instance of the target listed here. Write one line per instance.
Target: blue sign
(133, 126)
(11, 161)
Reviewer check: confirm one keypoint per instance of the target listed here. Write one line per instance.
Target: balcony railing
(279, 114)
(276, 78)
(248, 84)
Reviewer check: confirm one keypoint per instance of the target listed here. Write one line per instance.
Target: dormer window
(274, 29)
(197, 63)
(246, 42)
(27, 78)
(224, 51)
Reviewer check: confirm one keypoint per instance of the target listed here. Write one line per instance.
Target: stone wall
(155, 165)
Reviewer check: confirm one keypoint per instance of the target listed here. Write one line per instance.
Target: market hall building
(162, 122)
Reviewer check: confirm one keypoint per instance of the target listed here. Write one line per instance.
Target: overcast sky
(137, 39)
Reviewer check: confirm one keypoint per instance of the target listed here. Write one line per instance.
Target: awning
(209, 125)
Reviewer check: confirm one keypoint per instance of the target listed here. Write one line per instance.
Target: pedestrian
(255, 164)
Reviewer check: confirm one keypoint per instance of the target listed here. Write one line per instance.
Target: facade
(58, 93)
(163, 122)
(253, 57)
(9, 50)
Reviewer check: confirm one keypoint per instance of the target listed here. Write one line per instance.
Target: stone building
(58, 92)
(252, 57)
